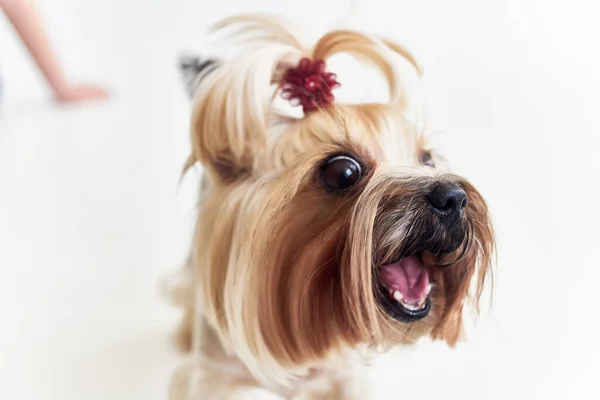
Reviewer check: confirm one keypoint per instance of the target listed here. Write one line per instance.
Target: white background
(91, 215)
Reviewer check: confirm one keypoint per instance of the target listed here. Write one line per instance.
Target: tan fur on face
(287, 270)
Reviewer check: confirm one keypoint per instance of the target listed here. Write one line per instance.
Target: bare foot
(77, 93)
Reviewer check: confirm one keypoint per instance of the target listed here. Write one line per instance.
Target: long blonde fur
(285, 271)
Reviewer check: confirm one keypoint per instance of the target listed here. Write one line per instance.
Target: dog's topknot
(235, 96)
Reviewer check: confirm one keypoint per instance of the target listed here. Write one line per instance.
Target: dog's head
(337, 229)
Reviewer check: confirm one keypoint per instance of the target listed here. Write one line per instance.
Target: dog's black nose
(448, 200)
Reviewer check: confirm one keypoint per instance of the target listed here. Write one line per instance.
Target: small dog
(321, 238)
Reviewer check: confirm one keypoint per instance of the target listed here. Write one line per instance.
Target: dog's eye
(427, 159)
(341, 172)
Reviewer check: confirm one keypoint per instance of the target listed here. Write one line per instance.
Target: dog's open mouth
(405, 287)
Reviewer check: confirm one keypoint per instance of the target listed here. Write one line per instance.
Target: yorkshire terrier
(322, 238)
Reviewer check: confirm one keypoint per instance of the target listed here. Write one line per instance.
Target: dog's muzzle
(438, 228)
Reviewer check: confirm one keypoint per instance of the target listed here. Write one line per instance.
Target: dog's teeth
(414, 307)
(411, 307)
(398, 295)
(428, 290)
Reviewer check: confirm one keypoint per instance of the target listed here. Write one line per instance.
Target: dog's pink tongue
(407, 276)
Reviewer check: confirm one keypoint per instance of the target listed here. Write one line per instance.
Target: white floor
(91, 215)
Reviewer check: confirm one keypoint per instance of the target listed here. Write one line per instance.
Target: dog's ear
(232, 98)
(230, 113)
(192, 68)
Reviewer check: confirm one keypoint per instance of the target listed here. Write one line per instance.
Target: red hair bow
(309, 85)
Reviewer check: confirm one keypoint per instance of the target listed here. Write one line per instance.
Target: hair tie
(309, 85)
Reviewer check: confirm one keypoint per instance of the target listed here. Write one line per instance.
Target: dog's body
(322, 239)
(215, 374)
